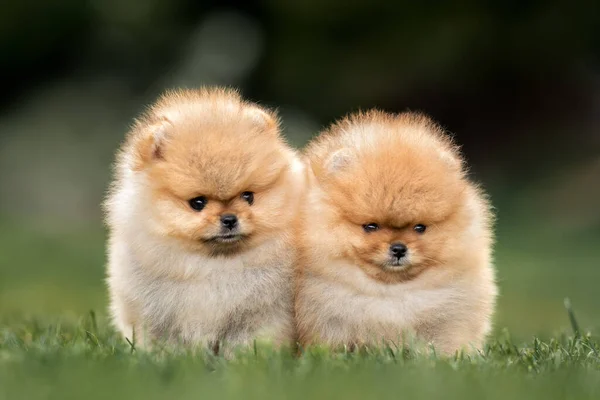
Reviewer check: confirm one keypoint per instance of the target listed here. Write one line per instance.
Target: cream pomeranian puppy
(396, 238)
(202, 216)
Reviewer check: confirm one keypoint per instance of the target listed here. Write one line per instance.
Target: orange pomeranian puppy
(202, 215)
(397, 239)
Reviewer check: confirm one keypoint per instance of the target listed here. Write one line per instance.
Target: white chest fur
(353, 307)
(189, 297)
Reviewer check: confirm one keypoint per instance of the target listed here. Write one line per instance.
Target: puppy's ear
(261, 118)
(452, 159)
(150, 141)
(339, 161)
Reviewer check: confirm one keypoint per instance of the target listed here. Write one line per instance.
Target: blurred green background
(517, 82)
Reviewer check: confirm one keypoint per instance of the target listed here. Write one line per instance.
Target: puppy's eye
(372, 227)
(249, 197)
(419, 228)
(198, 203)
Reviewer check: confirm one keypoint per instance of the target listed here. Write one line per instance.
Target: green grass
(85, 359)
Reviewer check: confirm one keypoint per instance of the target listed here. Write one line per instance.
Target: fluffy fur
(397, 171)
(178, 274)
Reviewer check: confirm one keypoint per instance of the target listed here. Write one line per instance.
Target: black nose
(398, 250)
(229, 221)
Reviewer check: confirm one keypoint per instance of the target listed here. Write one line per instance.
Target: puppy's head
(395, 193)
(216, 171)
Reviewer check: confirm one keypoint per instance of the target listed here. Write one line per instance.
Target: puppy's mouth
(396, 264)
(229, 238)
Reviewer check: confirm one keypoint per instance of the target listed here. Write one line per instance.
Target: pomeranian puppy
(396, 238)
(202, 217)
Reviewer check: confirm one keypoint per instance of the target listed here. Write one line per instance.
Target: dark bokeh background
(517, 82)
